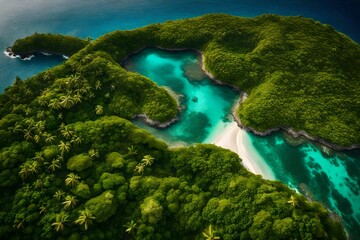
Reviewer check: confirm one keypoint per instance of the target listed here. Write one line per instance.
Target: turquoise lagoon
(205, 107)
(329, 177)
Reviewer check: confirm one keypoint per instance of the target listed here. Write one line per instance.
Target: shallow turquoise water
(205, 106)
(329, 177)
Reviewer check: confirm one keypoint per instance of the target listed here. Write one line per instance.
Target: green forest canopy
(297, 73)
(72, 166)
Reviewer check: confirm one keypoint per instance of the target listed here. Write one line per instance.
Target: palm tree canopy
(72, 180)
(130, 226)
(70, 201)
(64, 147)
(99, 110)
(293, 201)
(85, 218)
(61, 218)
(147, 160)
(55, 164)
(210, 234)
(140, 168)
(93, 153)
(67, 101)
(59, 194)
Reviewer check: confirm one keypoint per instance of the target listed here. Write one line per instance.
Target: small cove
(200, 114)
(329, 177)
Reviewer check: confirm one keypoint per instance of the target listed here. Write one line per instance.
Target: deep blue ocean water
(19, 18)
(331, 178)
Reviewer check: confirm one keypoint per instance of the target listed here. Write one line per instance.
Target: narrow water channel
(330, 177)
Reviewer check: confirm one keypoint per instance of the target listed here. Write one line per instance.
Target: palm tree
(107, 95)
(70, 202)
(40, 114)
(293, 202)
(38, 184)
(17, 127)
(28, 91)
(140, 168)
(60, 116)
(47, 75)
(147, 160)
(42, 210)
(39, 157)
(37, 138)
(62, 126)
(72, 180)
(99, 72)
(28, 111)
(42, 100)
(39, 126)
(55, 164)
(87, 58)
(30, 122)
(77, 140)
(64, 147)
(59, 194)
(93, 153)
(67, 102)
(85, 218)
(210, 234)
(91, 95)
(49, 138)
(130, 228)
(24, 171)
(33, 167)
(45, 92)
(112, 87)
(77, 98)
(99, 110)
(54, 104)
(132, 150)
(67, 133)
(28, 134)
(98, 85)
(18, 223)
(27, 188)
(61, 219)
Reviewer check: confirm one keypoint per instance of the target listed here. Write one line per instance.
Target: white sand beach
(234, 138)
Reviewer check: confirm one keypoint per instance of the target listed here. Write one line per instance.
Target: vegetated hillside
(49, 43)
(298, 73)
(73, 167)
(108, 179)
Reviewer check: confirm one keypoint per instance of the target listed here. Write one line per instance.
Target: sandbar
(236, 139)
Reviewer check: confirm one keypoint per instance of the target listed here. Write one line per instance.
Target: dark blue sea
(329, 177)
(19, 18)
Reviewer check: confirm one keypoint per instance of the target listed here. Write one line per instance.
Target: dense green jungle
(74, 167)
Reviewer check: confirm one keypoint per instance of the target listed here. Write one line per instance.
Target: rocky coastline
(293, 133)
(28, 55)
(154, 123)
(9, 52)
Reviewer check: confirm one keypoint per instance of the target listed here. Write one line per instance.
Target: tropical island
(73, 166)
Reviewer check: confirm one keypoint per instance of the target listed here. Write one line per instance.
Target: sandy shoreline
(234, 138)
